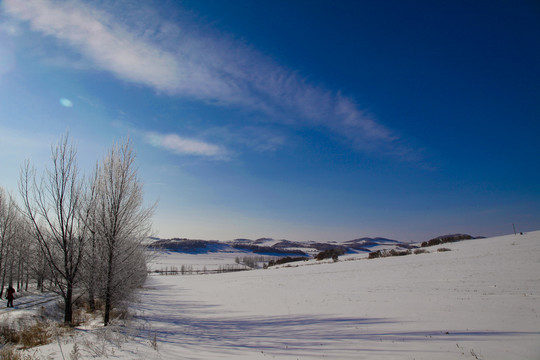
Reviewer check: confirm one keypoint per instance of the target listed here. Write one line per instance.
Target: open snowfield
(481, 300)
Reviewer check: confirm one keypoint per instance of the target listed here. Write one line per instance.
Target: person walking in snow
(10, 295)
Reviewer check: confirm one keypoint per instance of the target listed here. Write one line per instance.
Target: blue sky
(305, 120)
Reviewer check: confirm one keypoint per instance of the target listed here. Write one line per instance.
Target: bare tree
(17, 251)
(92, 262)
(121, 223)
(53, 209)
(9, 219)
(22, 254)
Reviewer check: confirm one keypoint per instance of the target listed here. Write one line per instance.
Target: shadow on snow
(195, 325)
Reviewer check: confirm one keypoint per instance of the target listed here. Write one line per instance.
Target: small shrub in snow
(121, 312)
(443, 249)
(8, 335)
(107, 339)
(154, 342)
(80, 316)
(420, 251)
(33, 335)
(9, 352)
(75, 353)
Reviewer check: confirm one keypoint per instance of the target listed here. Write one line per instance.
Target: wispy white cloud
(99, 37)
(185, 146)
(206, 66)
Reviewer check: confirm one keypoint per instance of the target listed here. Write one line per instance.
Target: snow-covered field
(481, 300)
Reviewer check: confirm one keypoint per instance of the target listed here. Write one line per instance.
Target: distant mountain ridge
(268, 246)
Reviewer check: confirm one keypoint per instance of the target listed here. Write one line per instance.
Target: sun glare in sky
(66, 102)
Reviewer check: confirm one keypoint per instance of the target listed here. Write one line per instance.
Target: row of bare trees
(17, 258)
(83, 235)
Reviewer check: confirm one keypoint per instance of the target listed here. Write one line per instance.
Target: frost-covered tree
(19, 259)
(9, 234)
(53, 208)
(23, 253)
(121, 223)
(90, 274)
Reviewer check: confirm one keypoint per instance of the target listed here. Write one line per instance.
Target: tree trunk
(68, 305)
(2, 268)
(19, 275)
(108, 290)
(107, 314)
(92, 300)
(92, 280)
(3, 282)
(4, 274)
(27, 278)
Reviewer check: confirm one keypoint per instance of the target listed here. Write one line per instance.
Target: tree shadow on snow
(196, 325)
(297, 335)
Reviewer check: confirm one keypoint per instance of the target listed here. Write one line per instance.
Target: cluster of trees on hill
(251, 261)
(285, 260)
(184, 245)
(446, 239)
(388, 253)
(333, 253)
(79, 237)
(268, 250)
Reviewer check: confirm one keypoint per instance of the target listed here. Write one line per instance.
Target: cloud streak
(185, 146)
(204, 66)
(100, 38)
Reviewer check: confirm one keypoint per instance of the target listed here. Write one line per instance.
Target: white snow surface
(481, 300)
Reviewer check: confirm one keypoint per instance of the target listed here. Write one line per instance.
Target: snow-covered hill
(267, 246)
(480, 300)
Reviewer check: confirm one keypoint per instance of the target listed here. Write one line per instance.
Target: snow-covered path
(482, 299)
(29, 302)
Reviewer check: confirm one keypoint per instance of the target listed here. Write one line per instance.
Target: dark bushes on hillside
(387, 253)
(285, 260)
(446, 239)
(331, 253)
(182, 245)
(266, 250)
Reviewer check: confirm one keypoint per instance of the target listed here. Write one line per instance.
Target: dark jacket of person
(10, 293)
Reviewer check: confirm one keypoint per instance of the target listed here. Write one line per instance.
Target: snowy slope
(480, 300)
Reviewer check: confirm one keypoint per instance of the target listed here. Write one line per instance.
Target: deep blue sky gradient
(453, 87)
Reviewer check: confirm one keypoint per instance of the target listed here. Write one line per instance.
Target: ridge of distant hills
(272, 247)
